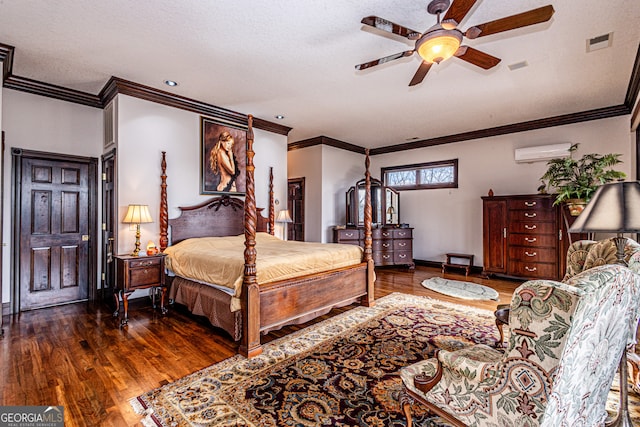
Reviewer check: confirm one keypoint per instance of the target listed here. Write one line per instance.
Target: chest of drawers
(523, 236)
(390, 245)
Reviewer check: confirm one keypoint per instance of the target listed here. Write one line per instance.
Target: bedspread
(220, 260)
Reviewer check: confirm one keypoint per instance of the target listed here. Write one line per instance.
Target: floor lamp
(614, 208)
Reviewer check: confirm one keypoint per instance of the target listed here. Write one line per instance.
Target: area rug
(340, 372)
(459, 289)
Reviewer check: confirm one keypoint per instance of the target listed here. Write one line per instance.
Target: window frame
(417, 167)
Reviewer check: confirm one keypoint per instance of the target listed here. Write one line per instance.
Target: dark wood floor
(77, 356)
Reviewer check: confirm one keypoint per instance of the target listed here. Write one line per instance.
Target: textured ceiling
(297, 58)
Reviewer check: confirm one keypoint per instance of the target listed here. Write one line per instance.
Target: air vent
(599, 42)
(109, 126)
(518, 65)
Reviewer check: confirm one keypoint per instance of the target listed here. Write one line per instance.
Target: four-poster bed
(257, 303)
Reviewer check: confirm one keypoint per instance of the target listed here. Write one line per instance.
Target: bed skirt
(207, 301)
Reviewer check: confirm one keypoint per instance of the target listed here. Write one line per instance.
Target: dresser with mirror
(392, 241)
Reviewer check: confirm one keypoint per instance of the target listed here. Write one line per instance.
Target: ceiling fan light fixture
(438, 45)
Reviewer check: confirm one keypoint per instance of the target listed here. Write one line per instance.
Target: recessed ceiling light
(279, 117)
(170, 83)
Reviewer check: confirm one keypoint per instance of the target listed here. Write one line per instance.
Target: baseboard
(438, 264)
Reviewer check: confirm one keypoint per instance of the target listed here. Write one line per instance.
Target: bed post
(272, 213)
(250, 297)
(164, 211)
(369, 299)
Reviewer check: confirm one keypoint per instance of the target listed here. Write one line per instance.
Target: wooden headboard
(219, 216)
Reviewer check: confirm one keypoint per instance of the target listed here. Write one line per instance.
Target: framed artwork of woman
(223, 158)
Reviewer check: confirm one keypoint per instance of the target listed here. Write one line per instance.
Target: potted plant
(576, 180)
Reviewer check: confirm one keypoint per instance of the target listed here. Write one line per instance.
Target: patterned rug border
(237, 368)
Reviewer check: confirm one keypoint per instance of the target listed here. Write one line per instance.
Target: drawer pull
(530, 254)
(402, 234)
(145, 271)
(348, 234)
(402, 256)
(402, 244)
(530, 239)
(530, 227)
(385, 234)
(385, 245)
(531, 268)
(386, 256)
(530, 215)
(530, 204)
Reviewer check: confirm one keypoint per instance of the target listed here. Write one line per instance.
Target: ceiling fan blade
(421, 73)
(476, 57)
(535, 16)
(383, 60)
(458, 10)
(384, 25)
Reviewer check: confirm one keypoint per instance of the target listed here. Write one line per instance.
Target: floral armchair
(565, 344)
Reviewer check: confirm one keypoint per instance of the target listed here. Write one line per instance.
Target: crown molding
(116, 86)
(566, 119)
(6, 56)
(634, 83)
(52, 91)
(325, 140)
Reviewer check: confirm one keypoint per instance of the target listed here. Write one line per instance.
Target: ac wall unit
(542, 152)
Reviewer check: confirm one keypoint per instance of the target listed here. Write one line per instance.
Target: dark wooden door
(108, 224)
(494, 218)
(55, 232)
(295, 204)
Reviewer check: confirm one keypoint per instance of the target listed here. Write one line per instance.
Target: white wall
(340, 169)
(328, 173)
(450, 220)
(145, 129)
(44, 124)
(307, 163)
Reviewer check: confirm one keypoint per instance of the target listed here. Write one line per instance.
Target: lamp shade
(137, 214)
(283, 216)
(614, 208)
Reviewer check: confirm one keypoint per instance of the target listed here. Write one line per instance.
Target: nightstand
(138, 272)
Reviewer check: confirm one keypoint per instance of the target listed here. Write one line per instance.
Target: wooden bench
(454, 256)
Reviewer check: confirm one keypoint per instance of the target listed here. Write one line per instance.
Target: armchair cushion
(585, 254)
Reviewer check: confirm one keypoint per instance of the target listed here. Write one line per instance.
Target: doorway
(54, 229)
(295, 204)
(108, 224)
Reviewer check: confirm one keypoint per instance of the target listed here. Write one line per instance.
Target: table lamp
(137, 214)
(614, 208)
(284, 218)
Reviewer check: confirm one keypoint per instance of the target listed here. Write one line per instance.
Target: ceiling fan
(444, 39)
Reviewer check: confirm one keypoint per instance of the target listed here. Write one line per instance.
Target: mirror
(392, 205)
(385, 206)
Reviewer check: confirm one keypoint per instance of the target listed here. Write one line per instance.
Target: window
(443, 174)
